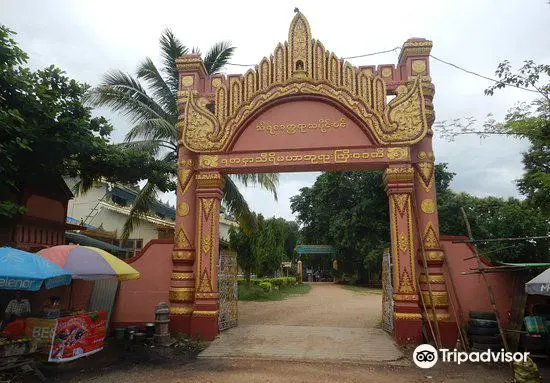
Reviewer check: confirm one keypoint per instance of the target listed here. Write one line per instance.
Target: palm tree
(153, 113)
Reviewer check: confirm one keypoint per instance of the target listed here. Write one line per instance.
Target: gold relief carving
(183, 256)
(415, 48)
(440, 316)
(187, 162)
(418, 66)
(183, 209)
(421, 155)
(349, 77)
(264, 74)
(205, 285)
(396, 175)
(319, 61)
(184, 178)
(249, 84)
(181, 240)
(397, 154)
(201, 295)
(430, 237)
(182, 276)
(440, 298)
(187, 81)
(428, 206)
(405, 283)
(432, 278)
(206, 243)
(184, 310)
(205, 313)
(435, 255)
(299, 46)
(407, 316)
(209, 180)
(322, 125)
(426, 175)
(208, 161)
(403, 242)
(401, 121)
(207, 204)
(431, 156)
(401, 201)
(216, 82)
(406, 297)
(182, 293)
(386, 72)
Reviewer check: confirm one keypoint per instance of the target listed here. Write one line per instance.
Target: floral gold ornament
(180, 276)
(405, 283)
(403, 243)
(208, 161)
(183, 209)
(401, 202)
(397, 154)
(183, 256)
(206, 180)
(398, 175)
(406, 297)
(433, 278)
(184, 179)
(187, 81)
(430, 237)
(199, 313)
(440, 298)
(426, 175)
(205, 285)
(181, 310)
(418, 66)
(428, 206)
(386, 72)
(181, 293)
(216, 82)
(407, 316)
(182, 240)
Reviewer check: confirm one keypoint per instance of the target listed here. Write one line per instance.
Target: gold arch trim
(302, 67)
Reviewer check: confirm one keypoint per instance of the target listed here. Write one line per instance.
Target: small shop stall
(23, 271)
(536, 339)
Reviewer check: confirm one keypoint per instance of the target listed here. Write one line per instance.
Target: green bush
(279, 282)
(265, 286)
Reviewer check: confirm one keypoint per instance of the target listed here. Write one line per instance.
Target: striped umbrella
(89, 263)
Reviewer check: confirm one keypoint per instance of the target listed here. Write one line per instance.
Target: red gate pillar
(428, 221)
(182, 287)
(204, 322)
(407, 320)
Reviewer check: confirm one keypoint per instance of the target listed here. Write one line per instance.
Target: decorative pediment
(302, 67)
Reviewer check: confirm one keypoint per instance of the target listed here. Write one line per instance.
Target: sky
(89, 38)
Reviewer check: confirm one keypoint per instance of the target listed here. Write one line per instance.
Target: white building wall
(111, 220)
(80, 206)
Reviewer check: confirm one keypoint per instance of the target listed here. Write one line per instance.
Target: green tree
(268, 245)
(47, 132)
(526, 120)
(349, 210)
(241, 242)
(291, 237)
(152, 108)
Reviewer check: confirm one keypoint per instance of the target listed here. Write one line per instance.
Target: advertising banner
(78, 336)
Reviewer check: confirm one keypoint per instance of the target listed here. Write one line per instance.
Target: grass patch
(255, 293)
(362, 290)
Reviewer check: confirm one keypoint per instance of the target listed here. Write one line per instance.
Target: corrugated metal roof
(82, 239)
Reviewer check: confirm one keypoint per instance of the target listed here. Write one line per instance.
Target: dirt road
(326, 305)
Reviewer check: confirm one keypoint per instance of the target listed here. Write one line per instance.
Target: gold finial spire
(299, 50)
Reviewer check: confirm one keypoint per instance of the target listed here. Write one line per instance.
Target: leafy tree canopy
(48, 132)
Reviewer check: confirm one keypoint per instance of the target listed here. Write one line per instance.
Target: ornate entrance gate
(304, 109)
(227, 290)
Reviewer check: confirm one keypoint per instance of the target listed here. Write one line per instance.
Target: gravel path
(326, 305)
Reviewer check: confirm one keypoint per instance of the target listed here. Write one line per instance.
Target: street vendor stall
(73, 335)
(23, 271)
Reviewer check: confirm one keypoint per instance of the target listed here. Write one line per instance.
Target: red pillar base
(204, 327)
(407, 331)
(180, 324)
(449, 333)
